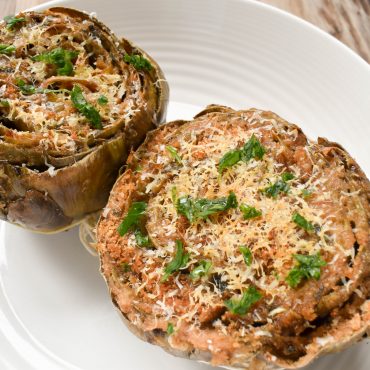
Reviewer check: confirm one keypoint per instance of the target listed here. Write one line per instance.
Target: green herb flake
(142, 240)
(275, 189)
(170, 330)
(302, 222)
(6, 49)
(308, 267)
(25, 88)
(85, 108)
(4, 103)
(252, 149)
(243, 305)
(247, 255)
(201, 208)
(306, 193)
(59, 57)
(179, 261)
(11, 21)
(102, 100)
(249, 212)
(173, 153)
(201, 269)
(138, 62)
(287, 176)
(132, 218)
(125, 267)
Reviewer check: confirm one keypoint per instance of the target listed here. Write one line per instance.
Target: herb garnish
(102, 100)
(141, 239)
(302, 222)
(125, 267)
(6, 49)
(4, 103)
(138, 62)
(61, 58)
(249, 212)
(25, 88)
(179, 261)
(306, 193)
(195, 209)
(12, 21)
(242, 306)
(201, 269)
(280, 186)
(173, 153)
(251, 149)
(308, 267)
(170, 330)
(135, 212)
(247, 254)
(85, 108)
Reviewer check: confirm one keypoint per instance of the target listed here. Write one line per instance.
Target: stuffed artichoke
(74, 100)
(234, 239)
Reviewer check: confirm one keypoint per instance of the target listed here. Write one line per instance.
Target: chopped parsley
(201, 269)
(195, 209)
(141, 239)
(59, 57)
(308, 267)
(135, 212)
(85, 108)
(173, 153)
(138, 62)
(280, 186)
(249, 212)
(178, 262)
(251, 149)
(242, 306)
(247, 255)
(102, 100)
(125, 267)
(302, 222)
(6, 49)
(170, 330)
(4, 103)
(11, 21)
(25, 88)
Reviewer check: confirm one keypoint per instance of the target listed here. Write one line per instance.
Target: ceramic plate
(55, 312)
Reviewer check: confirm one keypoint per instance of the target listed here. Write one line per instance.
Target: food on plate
(74, 100)
(234, 239)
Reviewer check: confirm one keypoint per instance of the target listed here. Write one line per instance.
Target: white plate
(55, 312)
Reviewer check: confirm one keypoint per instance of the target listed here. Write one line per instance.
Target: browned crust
(350, 313)
(81, 183)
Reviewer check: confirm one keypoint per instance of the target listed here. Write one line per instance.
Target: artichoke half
(240, 242)
(74, 100)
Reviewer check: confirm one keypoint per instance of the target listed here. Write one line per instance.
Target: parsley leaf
(141, 239)
(6, 49)
(247, 254)
(4, 103)
(308, 267)
(61, 58)
(173, 153)
(202, 208)
(249, 212)
(280, 186)
(286, 176)
(102, 100)
(302, 222)
(179, 261)
(201, 270)
(242, 306)
(138, 62)
(251, 149)
(25, 88)
(125, 267)
(12, 21)
(85, 108)
(132, 218)
(170, 329)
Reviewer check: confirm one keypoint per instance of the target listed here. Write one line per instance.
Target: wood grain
(347, 20)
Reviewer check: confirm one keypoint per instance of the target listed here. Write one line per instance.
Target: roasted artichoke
(235, 240)
(74, 100)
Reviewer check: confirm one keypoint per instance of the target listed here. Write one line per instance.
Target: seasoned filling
(256, 239)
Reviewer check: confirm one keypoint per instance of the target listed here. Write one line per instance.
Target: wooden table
(348, 20)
